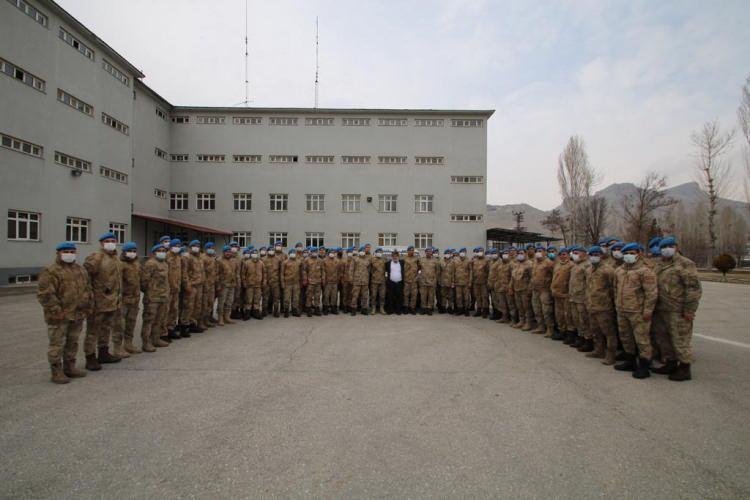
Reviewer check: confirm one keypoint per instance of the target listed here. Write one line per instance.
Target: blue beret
(447, 250)
(164, 238)
(298, 244)
(631, 246)
(595, 249)
(530, 246)
(210, 244)
(463, 249)
(107, 236)
(563, 250)
(279, 243)
(226, 248)
(130, 245)
(552, 247)
(410, 247)
(654, 242)
(313, 249)
(292, 250)
(194, 243)
(157, 247)
(245, 250)
(616, 245)
(378, 249)
(233, 244)
(66, 245)
(250, 247)
(573, 248)
(175, 242)
(668, 241)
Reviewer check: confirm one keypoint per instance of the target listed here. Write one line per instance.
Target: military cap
(654, 242)
(552, 247)
(563, 250)
(595, 249)
(194, 243)
(65, 245)
(157, 247)
(130, 245)
(668, 242)
(616, 244)
(107, 236)
(175, 242)
(573, 248)
(631, 246)
(164, 238)
(410, 247)
(226, 248)
(209, 244)
(233, 244)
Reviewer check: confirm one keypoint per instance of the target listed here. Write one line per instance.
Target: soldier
(679, 294)
(377, 282)
(520, 289)
(616, 251)
(500, 283)
(253, 278)
(313, 276)
(237, 302)
(479, 272)
(106, 283)
(192, 289)
(447, 272)
(566, 330)
(156, 288)
(175, 264)
(273, 280)
(492, 268)
(165, 241)
(131, 300)
(411, 271)
(291, 277)
(302, 257)
(511, 259)
(346, 279)
(429, 273)
(462, 282)
(65, 294)
(265, 292)
(600, 303)
(360, 271)
(654, 253)
(577, 295)
(209, 286)
(331, 283)
(226, 282)
(635, 299)
(541, 297)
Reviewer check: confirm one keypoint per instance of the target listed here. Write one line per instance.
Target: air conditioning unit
(76, 172)
(369, 199)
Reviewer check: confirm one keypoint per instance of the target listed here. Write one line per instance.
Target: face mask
(175, 249)
(235, 249)
(277, 249)
(313, 255)
(109, 246)
(361, 254)
(480, 254)
(263, 253)
(305, 255)
(254, 256)
(161, 255)
(195, 249)
(538, 255)
(595, 259)
(378, 254)
(521, 257)
(668, 252)
(629, 258)
(165, 244)
(605, 250)
(462, 254)
(617, 254)
(576, 257)
(330, 255)
(292, 255)
(245, 256)
(131, 255)
(552, 256)
(271, 252)
(68, 258)
(506, 256)
(210, 251)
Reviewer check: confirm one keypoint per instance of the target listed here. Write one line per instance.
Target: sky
(633, 78)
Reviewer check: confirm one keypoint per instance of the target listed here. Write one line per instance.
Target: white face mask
(462, 254)
(617, 254)
(480, 254)
(263, 253)
(161, 255)
(131, 255)
(210, 251)
(538, 255)
(175, 249)
(668, 252)
(362, 254)
(576, 257)
(277, 249)
(506, 256)
(245, 256)
(110, 246)
(629, 258)
(595, 259)
(521, 257)
(254, 256)
(235, 249)
(165, 244)
(195, 249)
(292, 255)
(330, 255)
(68, 258)
(605, 250)
(271, 252)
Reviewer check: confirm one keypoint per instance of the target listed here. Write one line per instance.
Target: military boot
(296, 313)
(131, 348)
(286, 313)
(682, 373)
(526, 326)
(587, 346)
(334, 310)
(120, 351)
(193, 328)
(106, 357)
(429, 312)
(276, 311)
(558, 335)
(92, 364)
(325, 311)
(667, 369)
(156, 341)
(598, 352)
(539, 328)
(147, 346)
(70, 370)
(58, 377)
(644, 368)
(550, 332)
(174, 334)
(228, 318)
(221, 320)
(628, 364)
(609, 359)
(184, 332)
(579, 342)
(317, 312)
(382, 309)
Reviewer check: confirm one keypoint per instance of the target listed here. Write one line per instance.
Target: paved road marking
(723, 341)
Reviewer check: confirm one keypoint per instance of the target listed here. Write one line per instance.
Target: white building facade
(87, 147)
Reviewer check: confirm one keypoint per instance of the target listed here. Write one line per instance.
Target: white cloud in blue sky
(634, 78)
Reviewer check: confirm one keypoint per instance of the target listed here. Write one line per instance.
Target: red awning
(179, 223)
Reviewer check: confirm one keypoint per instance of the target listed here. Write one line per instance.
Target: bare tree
(732, 229)
(743, 114)
(576, 178)
(556, 224)
(714, 171)
(594, 218)
(639, 208)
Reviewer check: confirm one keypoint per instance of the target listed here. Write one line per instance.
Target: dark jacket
(388, 269)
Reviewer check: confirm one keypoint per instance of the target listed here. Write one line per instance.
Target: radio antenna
(317, 65)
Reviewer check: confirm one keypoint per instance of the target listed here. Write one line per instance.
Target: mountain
(502, 216)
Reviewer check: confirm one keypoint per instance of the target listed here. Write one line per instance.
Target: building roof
(179, 223)
(514, 236)
(348, 111)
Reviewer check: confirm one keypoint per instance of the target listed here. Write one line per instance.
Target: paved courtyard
(376, 407)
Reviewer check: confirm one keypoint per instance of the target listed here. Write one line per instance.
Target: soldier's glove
(57, 316)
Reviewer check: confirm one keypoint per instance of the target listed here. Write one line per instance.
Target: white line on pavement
(723, 341)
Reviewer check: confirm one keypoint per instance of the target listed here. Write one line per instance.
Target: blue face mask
(552, 256)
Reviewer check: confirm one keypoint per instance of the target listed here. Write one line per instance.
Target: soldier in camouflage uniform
(131, 300)
(291, 277)
(462, 282)
(377, 282)
(65, 294)
(429, 273)
(192, 289)
(559, 289)
(635, 298)
(253, 278)
(105, 274)
(520, 289)
(226, 281)
(411, 272)
(600, 303)
(447, 272)
(500, 287)
(346, 279)
(541, 296)
(273, 274)
(175, 264)
(360, 271)
(577, 287)
(679, 294)
(313, 275)
(479, 272)
(156, 288)
(331, 284)
(209, 286)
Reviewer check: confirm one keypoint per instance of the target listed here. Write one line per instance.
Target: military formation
(613, 301)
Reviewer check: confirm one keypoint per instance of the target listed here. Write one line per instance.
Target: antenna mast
(247, 81)
(317, 65)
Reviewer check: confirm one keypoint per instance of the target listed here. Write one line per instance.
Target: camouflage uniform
(253, 279)
(105, 273)
(635, 295)
(192, 289)
(377, 284)
(577, 287)
(331, 286)
(226, 283)
(131, 299)
(291, 277)
(462, 281)
(429, 268)
(174, 262)
(479, 272)
(600, 281)
(209, 290)
(559, 288)
(447, 272)
(411, 270)
(313, 275)
(360, 283)
(273, 284)
(156, 289)
(520, 286)
(345, 281)
(500, 285)
(541, 296)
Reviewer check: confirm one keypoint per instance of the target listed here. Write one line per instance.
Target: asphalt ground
(396, 406)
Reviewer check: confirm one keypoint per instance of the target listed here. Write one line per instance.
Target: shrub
(724, 263)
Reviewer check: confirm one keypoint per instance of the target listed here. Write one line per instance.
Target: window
(318, 159)
(120, 77)
(161, 153)
(428, 122)
(178, 201)
(242, 202)
(247, 158)
(275, 237)
(72, 162)
(21, 146)
(429, 160)
(423, 203)
(179, 157)
(392, 122)
(75, 43)
(22, 75)
(355, 159)
(319, 121)
(350, 203)
(20, 279)
(118, 229)
(112, 174)
(23, 226)
(161, 114)
(387, 239)
(77, 230)
(74, 102)
(355, 122)
(210, 120)
(315, 203)
(243, 238)
(247, 120)
(422, 240)
(349, 240)
(392, 160)
(30, 11)
(467, 179)
(466, 218)
(282, 158)
(205, 201)
(160, 193)
(115, 124)
(282, 121)
(387, 202)
(210, 158)
(279, 202)
(315, 239)
(180, 119)
(466, 123)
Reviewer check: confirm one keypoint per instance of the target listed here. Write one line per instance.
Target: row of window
(347, 239)
(87, 109)
(26, 226)
(288, 158)
(329, 121)
(30, 11)
(22, 75)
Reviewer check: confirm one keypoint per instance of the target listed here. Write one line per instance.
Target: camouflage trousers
(207, 303)
(252, 298)
(314, 293)
(523, 304)
(674, 335)
(512, 308)
(99, 328)
(427, 296)
(543, 306)
(331, 295)
(564, 315)
(63, 341)
(173, 313)
(154, 324)
(446, 297)
(410, 295)
(480, 296)
(580, 319)
(226, 300)
(603, 326)
(291, 297)
(377, 295)
(272, 299)
(346, 293)
(126, 327)
(500, 303)
(463, 296)
(191, 301)
(635, 332)
(360, 295)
